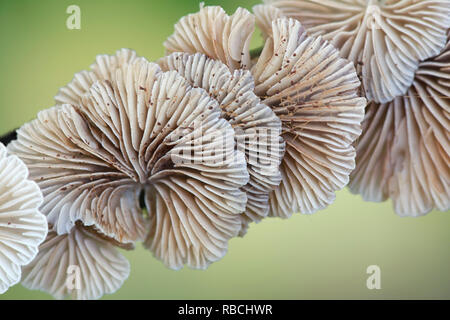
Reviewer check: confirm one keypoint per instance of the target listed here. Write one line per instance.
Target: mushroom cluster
(138, 137)
(182, 154)
(401, 53)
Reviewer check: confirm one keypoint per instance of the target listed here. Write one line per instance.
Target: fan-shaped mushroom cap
(385, 39)
(22, 226)
(144, 132)
(78, 264)
(212, 32)
(104, 68)
(404, 151)
(257, 128)
(315, 94)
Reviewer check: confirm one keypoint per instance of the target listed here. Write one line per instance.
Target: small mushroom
(385, 39)
(22, 226)
(315, 94)
(404, 151)
(79, 264)
(104, 68)
(212, 32)
(257, 128)
(143, 136)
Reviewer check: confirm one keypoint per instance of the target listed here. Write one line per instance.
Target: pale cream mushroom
(386, 39)
(81, 264)
(404, 151)
(315, 94)
(142, 135)
(212, 32)
(104, 68)
(22, 226)
(264, 16)
(257, 128)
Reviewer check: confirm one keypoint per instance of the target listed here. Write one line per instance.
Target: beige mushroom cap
(404, 151)
(79, 265)
(212, 32)
(315, 94)
(385, 39)
(142, 134)
(257, 128)
(22, 226)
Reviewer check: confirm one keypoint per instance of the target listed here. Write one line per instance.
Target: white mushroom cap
(22, 226)
(144, 132)
(385, 39)
(78, 264)
(315, 94)
(404, 151)
(212, 32)
(257, 128)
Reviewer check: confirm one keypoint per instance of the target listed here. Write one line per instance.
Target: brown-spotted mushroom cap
(404, 151)
(79, 264)
(22, 226)
(315, 94)
(385, 39)
(212, 32)
(257, 128)
(143, 135)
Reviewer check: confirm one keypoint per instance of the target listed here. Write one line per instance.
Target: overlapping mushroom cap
(385, 39)
(212, 32)
(22, 226)
(312, 90)
(141, 135)
(404, 151)
(257, 128)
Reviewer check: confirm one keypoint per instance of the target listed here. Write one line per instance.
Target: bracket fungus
(140, 136)
(311, 89)
(386, 39)
(22, 226)
(404, 151)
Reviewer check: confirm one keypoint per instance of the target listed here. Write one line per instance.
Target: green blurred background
(323, 256)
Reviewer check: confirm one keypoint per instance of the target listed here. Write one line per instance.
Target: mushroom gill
(404, 151)
(141, 134)
(315, 94)
(22, 226)
(78, 264)
(386, 39)
(257, 128)
(212, 32)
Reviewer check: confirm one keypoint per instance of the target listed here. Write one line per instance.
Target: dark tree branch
(7, 138)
